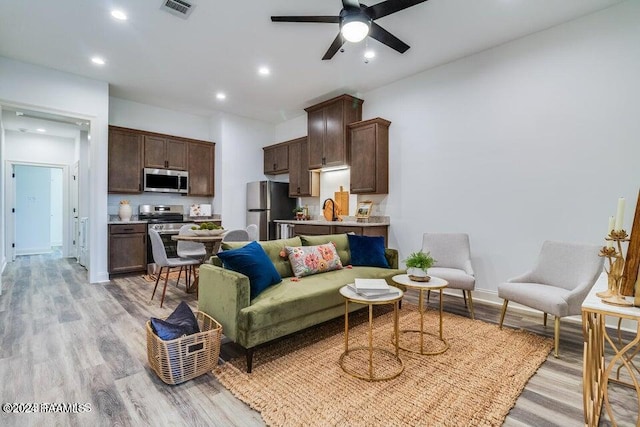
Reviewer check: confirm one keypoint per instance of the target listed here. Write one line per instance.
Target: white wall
(39, 148)
(3, 256)
(532, 140)
(40, 88)
(240, 161)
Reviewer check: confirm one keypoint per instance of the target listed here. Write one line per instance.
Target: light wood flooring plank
(64, 340)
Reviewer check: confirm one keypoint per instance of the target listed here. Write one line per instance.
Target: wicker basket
(184, 358)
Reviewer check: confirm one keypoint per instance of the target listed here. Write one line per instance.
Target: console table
(597, 371)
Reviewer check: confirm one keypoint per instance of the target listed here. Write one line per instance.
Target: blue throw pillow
(180, 322)
(252, 261)
(367, 251)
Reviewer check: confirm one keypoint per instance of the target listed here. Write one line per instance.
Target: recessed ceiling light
(119, 15)
(97, 60)
(264, 71)
(369, 54)
(221, 96)
(41, 130)
(19, 113)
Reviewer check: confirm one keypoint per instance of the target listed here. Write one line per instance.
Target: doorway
(39, 220)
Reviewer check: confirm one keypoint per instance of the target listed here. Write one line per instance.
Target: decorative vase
(124, 212)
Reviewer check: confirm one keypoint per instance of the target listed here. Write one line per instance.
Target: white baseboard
(491, 297)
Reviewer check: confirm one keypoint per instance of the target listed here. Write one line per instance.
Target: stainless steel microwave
(166, 180)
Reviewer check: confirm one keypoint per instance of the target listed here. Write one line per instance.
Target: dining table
(211, 246)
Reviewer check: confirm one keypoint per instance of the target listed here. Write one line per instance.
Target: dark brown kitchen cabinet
(302, 181)
(369, 147)
(311, 230)
(127, 248)
(327, 126)
(201, 167)
(124, 168)
(374, 230)
(164, 153)
(276, 159)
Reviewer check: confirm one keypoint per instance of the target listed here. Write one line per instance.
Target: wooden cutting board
(342, 199)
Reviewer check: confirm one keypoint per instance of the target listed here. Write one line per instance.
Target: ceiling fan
(356, 23)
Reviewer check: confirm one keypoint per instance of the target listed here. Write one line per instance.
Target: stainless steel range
(166, 220)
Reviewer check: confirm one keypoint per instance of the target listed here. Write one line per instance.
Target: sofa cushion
(308, 260)
(252, 261)
(291, 299)
(367, 251)
(340, 241)
(273, 248)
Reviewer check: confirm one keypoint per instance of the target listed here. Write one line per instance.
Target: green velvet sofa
(288, 306)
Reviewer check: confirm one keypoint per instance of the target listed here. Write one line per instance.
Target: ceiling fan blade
(385, 37)
(353, 4)
(316, 19)
(390, 6)
(335, 46)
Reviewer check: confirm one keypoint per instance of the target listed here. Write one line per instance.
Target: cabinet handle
(127, 229)
(298, 190)
(274, 166)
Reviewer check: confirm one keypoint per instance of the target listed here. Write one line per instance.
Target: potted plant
(299, 211)
(417, 265)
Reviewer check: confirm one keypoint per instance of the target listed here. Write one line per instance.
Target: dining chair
(558, 284)
(252, 231)
(161, 260)
(452, 254)
(239, 235)
(190, 249)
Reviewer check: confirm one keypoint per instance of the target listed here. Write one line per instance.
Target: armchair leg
(556, 338)
(428, 296)
(544, 320)
(504, 311)
(249, 356)
(473, 315)
(464, 295)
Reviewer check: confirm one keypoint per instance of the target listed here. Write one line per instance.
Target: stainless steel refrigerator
(268, 201)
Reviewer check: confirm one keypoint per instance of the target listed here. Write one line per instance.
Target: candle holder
(615, 273)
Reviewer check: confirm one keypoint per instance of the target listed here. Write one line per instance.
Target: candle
(620, 214)
(609, 230)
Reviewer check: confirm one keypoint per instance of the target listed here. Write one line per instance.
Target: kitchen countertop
(350, 222)
(113, 219)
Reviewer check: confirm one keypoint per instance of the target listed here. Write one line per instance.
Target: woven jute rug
(298, 381)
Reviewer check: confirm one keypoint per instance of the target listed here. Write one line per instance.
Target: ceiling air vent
(179, 8)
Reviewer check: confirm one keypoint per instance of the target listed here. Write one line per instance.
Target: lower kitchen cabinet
(318, 230)
(127, 248)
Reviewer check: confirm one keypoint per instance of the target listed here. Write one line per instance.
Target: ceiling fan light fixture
(355, 28)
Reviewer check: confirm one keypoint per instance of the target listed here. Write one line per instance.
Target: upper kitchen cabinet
(125, 160)
(276, 159)
(201, 168)
(327, 126)
(369, 149)
(164, 153)
(302, 181)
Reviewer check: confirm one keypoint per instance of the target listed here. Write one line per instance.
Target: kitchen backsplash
(135, 200)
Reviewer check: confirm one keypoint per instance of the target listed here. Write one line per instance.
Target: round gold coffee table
(351, 296)
(434, 284)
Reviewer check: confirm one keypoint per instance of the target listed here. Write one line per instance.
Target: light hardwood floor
(64, 341)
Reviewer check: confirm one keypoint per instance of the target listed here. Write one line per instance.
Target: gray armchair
(559, 283)
(452, 253)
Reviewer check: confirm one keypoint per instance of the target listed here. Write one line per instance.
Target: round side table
(351, 296)
(435, 284)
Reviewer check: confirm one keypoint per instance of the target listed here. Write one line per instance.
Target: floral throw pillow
(308, 260)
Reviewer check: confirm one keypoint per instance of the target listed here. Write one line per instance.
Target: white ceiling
(159, 59)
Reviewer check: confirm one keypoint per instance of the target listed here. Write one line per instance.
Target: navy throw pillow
(367, 251)
(252, 261)
(181, 322)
